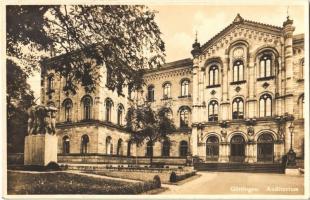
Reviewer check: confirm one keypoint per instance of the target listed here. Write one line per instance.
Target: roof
(298, 39)
(187, 62)
(239, 20)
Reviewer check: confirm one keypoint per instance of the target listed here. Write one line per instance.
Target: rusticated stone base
(292, 171)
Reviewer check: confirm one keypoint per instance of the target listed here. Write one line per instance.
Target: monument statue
(41, 143)
(42, 120)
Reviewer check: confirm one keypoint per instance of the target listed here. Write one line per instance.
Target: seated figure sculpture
(42, 120)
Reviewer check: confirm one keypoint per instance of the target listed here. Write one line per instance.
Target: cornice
(166, 74)
(246, 24)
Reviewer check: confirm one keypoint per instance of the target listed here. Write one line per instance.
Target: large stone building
(234, 101)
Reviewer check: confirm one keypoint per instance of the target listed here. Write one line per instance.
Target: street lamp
(291, 155)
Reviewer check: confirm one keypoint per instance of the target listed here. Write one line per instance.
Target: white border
(153, 2)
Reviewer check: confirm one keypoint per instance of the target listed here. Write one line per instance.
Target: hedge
(175, 178)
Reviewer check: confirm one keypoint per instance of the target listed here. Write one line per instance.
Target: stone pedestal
(40, 149)
(292, 171)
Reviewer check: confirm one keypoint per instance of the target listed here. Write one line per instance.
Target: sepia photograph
(144, 100)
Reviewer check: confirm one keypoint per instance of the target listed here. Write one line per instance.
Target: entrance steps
(240, 167)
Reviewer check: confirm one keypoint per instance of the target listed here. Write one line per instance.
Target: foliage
(179, 177)
(66, 183)
(124, 38)
(173, 177)
(19, 99)
(145, 124)
(157, 181)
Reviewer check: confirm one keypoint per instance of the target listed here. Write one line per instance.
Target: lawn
(66, 183)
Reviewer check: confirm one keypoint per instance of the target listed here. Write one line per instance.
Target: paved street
(240, 183)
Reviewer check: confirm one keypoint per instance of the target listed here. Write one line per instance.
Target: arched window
(119, 151)
(129, 148)
(67, 104)
(265, 105)
(213, 75)
(213, 111)
(238, 69)
(150, 93)
(265, 66)
(87, 106)
(167, 90)
(120, 113)
(301, 106)
(184, 117)
(65, 145)
(109, 145)
(184, 88)
(108, 109)
(212, 148)
(149, 149)
(238, 108)
(165, 148)
(50, 83)
(84, 144)
(183, 148)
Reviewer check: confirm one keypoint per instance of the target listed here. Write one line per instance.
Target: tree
(146, 125)
(19, 99)
(124, 38)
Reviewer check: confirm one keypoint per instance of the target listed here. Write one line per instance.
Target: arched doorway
(212, 148)
(265, 145)
(237, 149)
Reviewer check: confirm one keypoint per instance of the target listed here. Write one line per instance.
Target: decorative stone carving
(237, 89)
(42, 120)
(223, 133)
(213, 92)
(250, 130)
(238, 52)
(265, 85)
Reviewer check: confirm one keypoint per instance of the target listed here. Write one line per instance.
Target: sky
(179, 23)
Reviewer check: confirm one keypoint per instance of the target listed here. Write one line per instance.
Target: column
(288, 59)
(194, 140)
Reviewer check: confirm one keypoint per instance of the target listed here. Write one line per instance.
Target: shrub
(52, 166)
(157, 181)
(173, 177)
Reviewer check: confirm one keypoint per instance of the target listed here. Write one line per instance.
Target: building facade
(235, 100)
